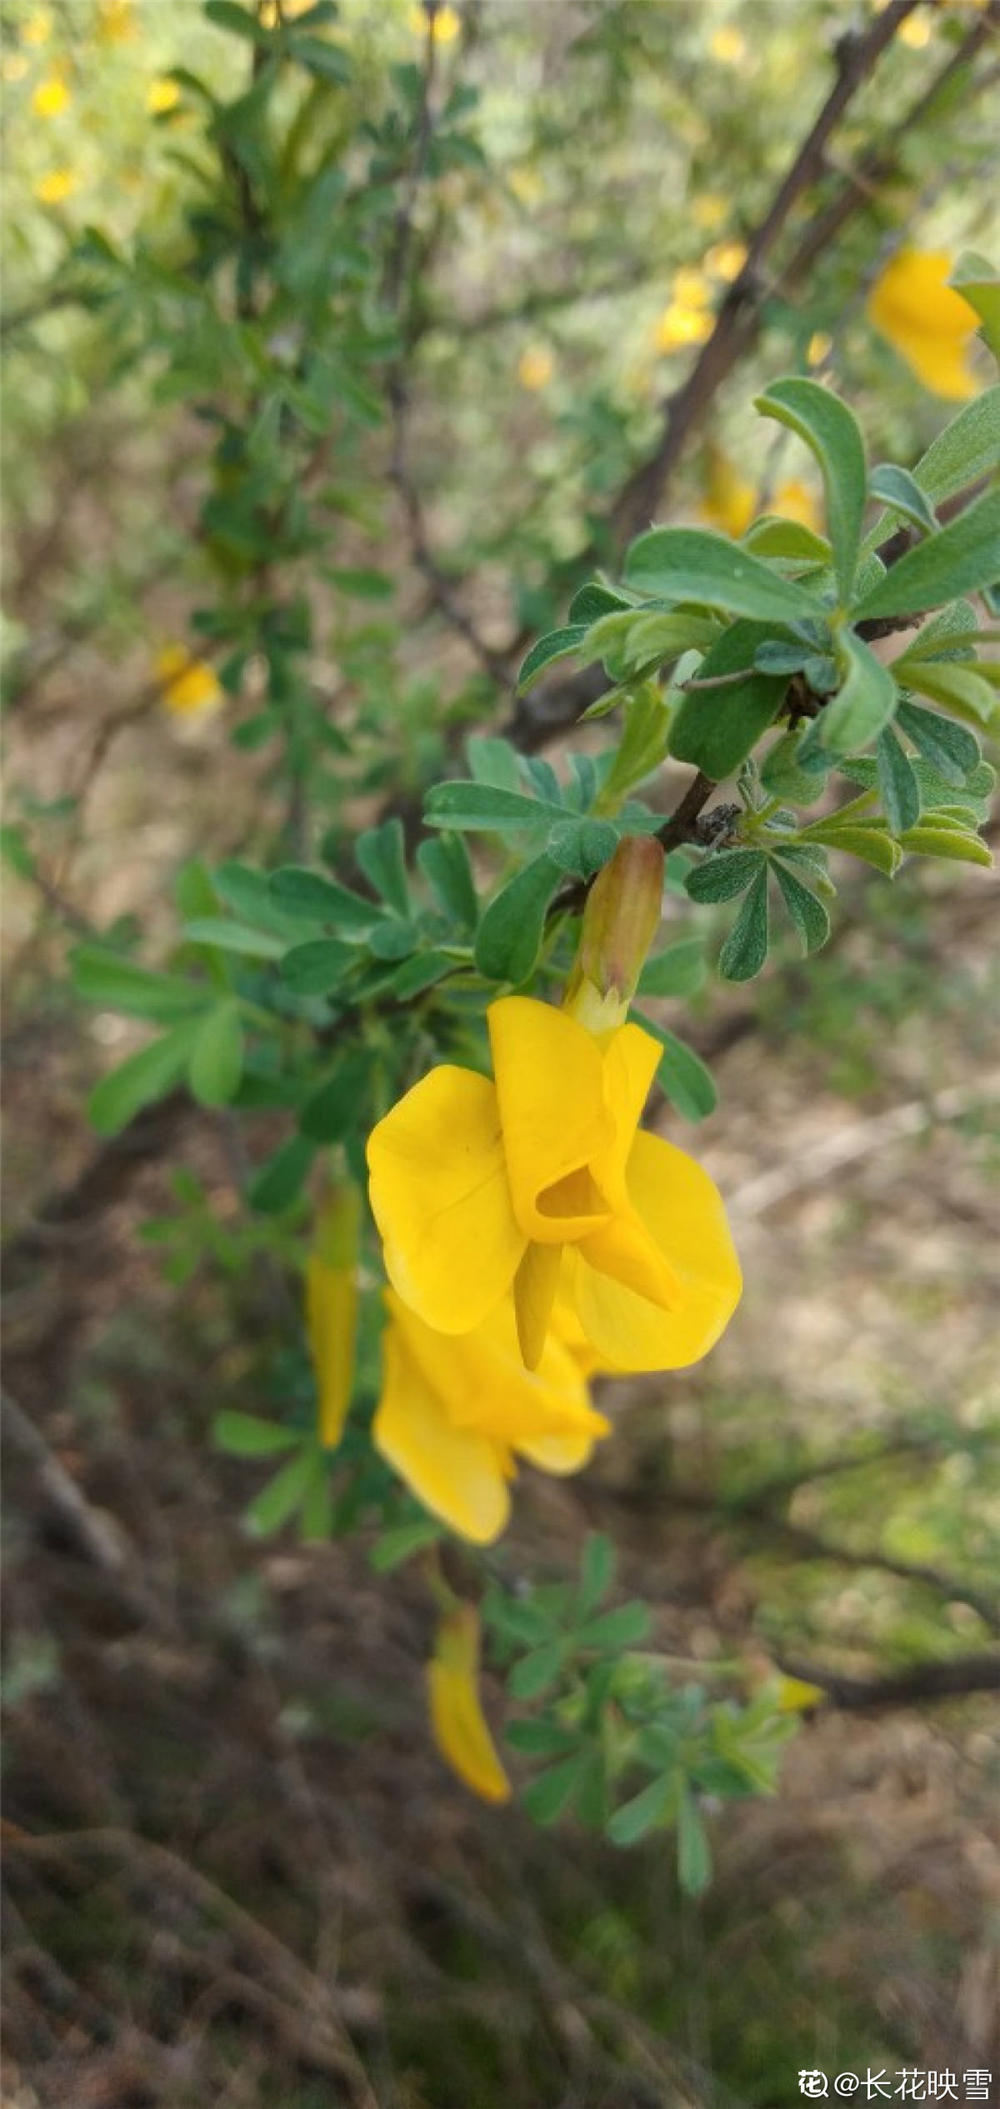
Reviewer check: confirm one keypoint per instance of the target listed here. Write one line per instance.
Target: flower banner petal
(549, 1080)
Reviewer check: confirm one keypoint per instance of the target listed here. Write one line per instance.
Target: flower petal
(549, 1082)
(481, 1383)
(683, 1214)
(456, 1472)
(534, 1294)
(440, 1197)
(457, 1718)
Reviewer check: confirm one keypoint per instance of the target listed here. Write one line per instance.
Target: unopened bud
(620, 921)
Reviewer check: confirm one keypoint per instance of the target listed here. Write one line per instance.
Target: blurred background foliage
(328, 1918)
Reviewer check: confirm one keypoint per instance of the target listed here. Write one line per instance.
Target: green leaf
(694, 1854)
(541, 1738)
(625, 1627)
(227, 14)
(581, 846)
(863, 705)
(682, 1075)
(282, 1495)
(444, 861)
(869, 844)
(329, 62)
(771, 536)
(689, 563)
(380, 854)
(364, 584)
(331, 1110)
(557, 644)
(783, 775)
(117, 984)
(315, 968)
(537, 1671)
(494, 761)
(140, 1080)
(593, 601)
(808, 914)
(481, 806)
(244, 1435)
(831, 431)
(967, 449)
(951, 751)
(896, 487)
(246, 892)
(416, 975)
(216, 1064)
(716, 728)
(597, 1569)
(897, 782)
(392, 1547)
(510, 933)
(724, 874)
(952, 683)
(646, 1812)
(549, 1793)
(234, 937)
(677, 971)
(929, 840)
(310, 895)
(960, 558)
(745, 949)
(278, 1183)
(649, 640)
(978, 283)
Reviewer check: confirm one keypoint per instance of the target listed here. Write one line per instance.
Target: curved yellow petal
(456, 1472)
(550, 1091)
(480, 1382)
(331, 1321)
(559, 1454)
(631, 1060)
(457, 1717)
(440, 1197)
(682, 1212)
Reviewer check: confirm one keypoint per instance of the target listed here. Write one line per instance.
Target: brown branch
(926, 1680)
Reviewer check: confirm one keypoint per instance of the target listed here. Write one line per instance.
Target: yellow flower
(915, 30)
(455, 1408)
(691, 288)
(457, 1719)
(709, 211)
(819, 347)
(678, 326)
(728, 45)
(526, 184)
(729, 501)
(60, 183)
(535, 367)
(38, 27)
(114, 21)
(926, 321)
(162, 94)
(727, 259)
(795, 501)
(540, 1180)
(190, 686)
(447, 23)
(50, 97)
(332, 1309)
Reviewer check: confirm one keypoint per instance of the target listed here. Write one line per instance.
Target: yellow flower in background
(690, 288)
(535, 367)
(457, 1717)
(708, 211)
(332, 1309)
(455, 1409)
(526, 184)
(51, 97)
(795, 501)
(915, 30)
(38, 27)
(447, 23)
(542, 1181)
(161, 95)
(730, 501)
(728, 45)
(926, 321)
(190, 686)
(115, 23)
(59, 184)
(726, 260)
(679, 325)
(819, 347)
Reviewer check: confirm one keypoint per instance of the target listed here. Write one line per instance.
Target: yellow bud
(691, 288)
(162, 95)
(190, 687)
(457, 1718)
(50, 97)
(819, 347)
(727, 259)
(620, 921)
(60, 183)
(535, 367)
(679, 325)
